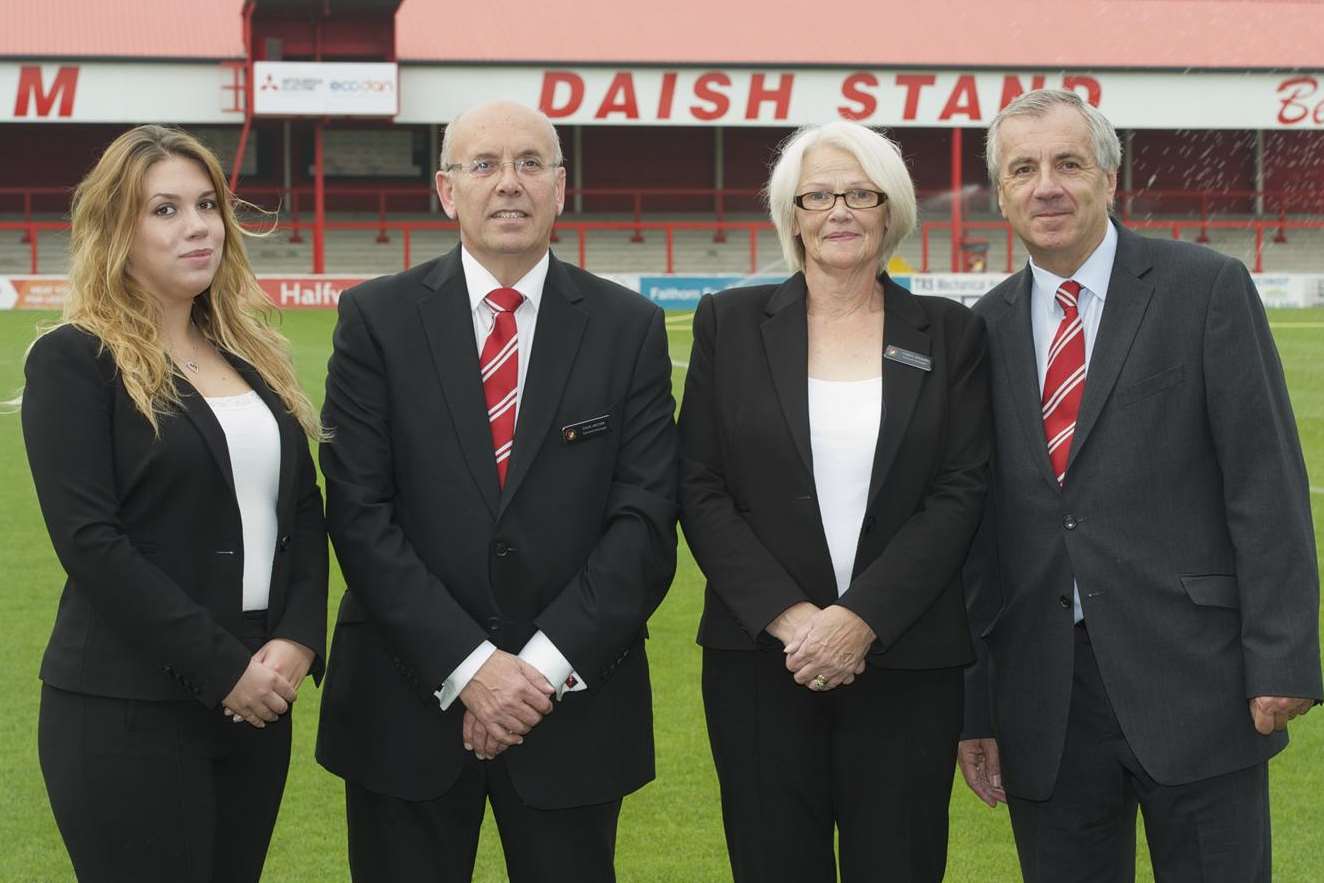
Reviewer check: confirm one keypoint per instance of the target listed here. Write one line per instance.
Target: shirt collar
(1093, 275)
(481, 282)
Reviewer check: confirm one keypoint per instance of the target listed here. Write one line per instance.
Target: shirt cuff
(464, 673)
(542, 654)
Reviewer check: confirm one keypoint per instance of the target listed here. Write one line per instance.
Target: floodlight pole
(956, 199)
(319, 201)
(248, 95)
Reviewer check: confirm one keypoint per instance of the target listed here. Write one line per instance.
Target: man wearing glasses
(501, 497)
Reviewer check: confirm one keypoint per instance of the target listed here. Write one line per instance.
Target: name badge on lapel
(908, 357)
(585, 429)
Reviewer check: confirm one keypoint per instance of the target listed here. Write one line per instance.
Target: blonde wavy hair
(104, 299)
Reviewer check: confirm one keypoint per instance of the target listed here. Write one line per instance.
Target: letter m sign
(31, 91)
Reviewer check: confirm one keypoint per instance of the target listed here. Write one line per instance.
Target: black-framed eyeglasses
(823, 200)
(525, 167)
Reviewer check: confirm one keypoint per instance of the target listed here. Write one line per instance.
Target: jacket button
(1070, 522)
(869, 522)
(502, 548)
(284, 542)
(494, 624)
(1064, 601)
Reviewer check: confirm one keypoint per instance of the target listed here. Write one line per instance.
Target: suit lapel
(1016, 333)
(555, 342)
(904, 324)
(200, 415)
(448, 324)
(786, 344)
(1124, 307)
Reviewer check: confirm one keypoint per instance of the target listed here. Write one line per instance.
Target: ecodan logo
(362, 86)
(305, 88)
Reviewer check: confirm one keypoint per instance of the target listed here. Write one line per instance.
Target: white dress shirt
(253, 440)
(844, 418)
(1046, 314)
(539, 652)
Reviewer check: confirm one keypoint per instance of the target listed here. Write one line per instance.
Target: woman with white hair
(835, 449)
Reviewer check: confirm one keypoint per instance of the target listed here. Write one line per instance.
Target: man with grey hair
(1143, 590)
(501, 493)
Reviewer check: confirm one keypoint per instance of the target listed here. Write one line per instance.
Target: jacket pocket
(1212, 589)
(1151, 385)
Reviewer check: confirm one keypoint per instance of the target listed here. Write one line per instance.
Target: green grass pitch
(671, 830)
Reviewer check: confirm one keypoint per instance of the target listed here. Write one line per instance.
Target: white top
(539, 652)
(253, 438)
(1046, 314)
(845, 417)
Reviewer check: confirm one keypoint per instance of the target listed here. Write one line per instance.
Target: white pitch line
(1313, 489)
(1277, 325)
(686, 366)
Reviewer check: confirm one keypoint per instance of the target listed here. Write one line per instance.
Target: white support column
(577, 166)
(1128, 156)
(285, 165)
(1259, 172)
(434, 151)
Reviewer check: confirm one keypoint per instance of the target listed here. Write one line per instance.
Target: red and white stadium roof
(1078, 34)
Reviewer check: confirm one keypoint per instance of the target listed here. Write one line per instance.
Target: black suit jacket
(1185, 519)
(149, 532)
(580, 543)
(748, 504)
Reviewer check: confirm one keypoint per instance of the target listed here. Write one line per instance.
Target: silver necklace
(191, 364)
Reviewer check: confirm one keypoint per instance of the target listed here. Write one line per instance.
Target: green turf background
(671, 830)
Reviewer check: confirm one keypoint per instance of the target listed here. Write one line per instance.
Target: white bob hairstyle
(878, 156)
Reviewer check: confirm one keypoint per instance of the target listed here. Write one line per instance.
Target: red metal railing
(1142, 203)
(406, 229)
(1259, 228)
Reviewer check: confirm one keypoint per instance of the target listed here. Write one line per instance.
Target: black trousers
(1212, 831)
(873, 760)
(399, 841)
(160, 791)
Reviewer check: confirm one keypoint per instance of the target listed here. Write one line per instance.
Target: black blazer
(747, 490)
(1185, 520)
(580, 543)
(148, 531)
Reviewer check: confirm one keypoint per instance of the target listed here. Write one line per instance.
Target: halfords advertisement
(286, 292)
(677, 292)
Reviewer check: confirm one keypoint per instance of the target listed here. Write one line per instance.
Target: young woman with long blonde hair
(168, 441)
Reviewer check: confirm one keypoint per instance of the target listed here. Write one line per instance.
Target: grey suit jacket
(1185, 519)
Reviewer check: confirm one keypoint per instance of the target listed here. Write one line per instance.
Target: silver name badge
(908, 357)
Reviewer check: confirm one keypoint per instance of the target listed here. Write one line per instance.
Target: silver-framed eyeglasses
(823, 200)
(525, 167)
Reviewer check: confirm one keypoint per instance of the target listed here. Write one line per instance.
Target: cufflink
(571, 683)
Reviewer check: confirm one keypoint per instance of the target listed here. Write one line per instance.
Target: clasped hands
(825, 647)
(269, 684)
(505, 699)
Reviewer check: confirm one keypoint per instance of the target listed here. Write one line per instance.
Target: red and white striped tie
(1064, 381)
(500, 371)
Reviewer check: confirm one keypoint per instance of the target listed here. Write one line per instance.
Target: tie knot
(504, 300)
(1068, 295)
